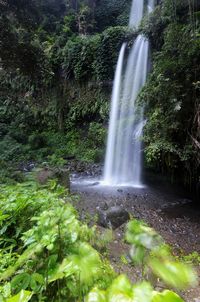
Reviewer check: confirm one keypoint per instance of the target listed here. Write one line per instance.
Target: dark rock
(27, 167)
(103, 205)
(69, 157)
(112, 217)
(84, 169)
(95, 184)
(120, 190)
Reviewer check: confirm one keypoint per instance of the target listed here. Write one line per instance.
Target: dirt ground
(172, 215)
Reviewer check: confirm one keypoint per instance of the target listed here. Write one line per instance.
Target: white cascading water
(123, 163)
(115, 103)
(136, 14)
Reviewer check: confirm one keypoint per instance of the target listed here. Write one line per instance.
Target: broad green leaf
(176, 274)
(120, 290)
(36, 282)
(20, 281)
(139, 234)
(65, 269)
(96, 295)
(166, 296)
(137, 254)
(87, 263)
(3, 217)
(23, 296)
(142, 292)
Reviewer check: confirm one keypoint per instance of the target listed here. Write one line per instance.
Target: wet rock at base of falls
(113, 217)
(94, 184)
(83, 169)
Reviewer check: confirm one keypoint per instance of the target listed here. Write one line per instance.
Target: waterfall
(136, 13)
(151, 5)
(109, 163)
(123, 163)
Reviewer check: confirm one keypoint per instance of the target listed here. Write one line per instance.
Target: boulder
(113, 217)
(46, 174)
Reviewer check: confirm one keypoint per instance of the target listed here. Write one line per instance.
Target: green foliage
(49, 254)
(166, 296)
(55, 161)
(112, 13)
(8, 147)
(78, 56)
(23, 296)
(123, 290)
(52, 75)
(18, 202)
(54, 148)
(91, 149)
(174, 273)
(50, 91)
(147, 248)
(87, 104)
(192, 258)
(86, 58)
(172, 97)
(102, 240)
(36, 141)
(153, 25)
(143, 239)
(108, 50)
(57, 62)
(45, 252)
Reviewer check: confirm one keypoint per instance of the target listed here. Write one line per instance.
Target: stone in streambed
(94, 184)
(113, 217)
(102, 206)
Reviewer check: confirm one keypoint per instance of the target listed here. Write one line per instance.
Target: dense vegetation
(172, 92)
(57, 65)
(46, 253)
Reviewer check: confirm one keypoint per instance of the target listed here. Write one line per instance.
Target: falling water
(109, 166)
(123, 155)
(151, 5)
(136, 13)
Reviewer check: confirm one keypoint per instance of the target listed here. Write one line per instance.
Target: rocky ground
(175, 217)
